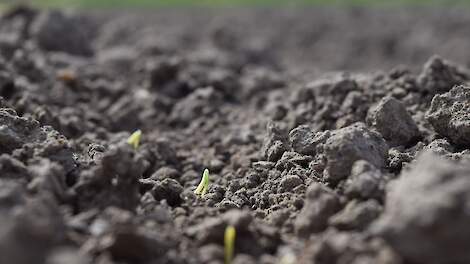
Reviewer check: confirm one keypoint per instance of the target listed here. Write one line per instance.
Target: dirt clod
(428, 197)
(439, 75)
(365, 182)
(449, 114)
(349, 144)
(320, 205)
(391, 119)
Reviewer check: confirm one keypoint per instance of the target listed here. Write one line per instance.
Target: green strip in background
(163, 3)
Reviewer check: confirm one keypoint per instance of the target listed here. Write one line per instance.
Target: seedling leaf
(134, 139)
(203, 186)
(229, 242)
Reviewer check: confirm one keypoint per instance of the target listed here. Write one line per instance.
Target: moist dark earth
(332, 135)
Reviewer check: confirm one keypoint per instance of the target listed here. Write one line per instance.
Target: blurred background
(158, 3)
(303, 35)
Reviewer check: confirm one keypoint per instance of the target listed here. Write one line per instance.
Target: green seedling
(229, 243)
(134, 139)
(203, 186)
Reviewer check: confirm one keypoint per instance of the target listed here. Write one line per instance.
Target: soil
(315, 156)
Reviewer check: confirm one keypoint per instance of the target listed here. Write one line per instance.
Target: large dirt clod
(449, 114)
(426, 214)
(391, 119)
(439, 75)
(349, 144)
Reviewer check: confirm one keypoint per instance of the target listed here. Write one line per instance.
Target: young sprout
(229, 243)
(204, 184)
(66, 75)
(287, 256)
(134, 139)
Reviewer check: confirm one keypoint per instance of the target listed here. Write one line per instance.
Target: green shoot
(203, 186)
(134, 139)
(229, 243)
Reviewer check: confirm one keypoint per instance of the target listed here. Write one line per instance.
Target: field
(313, 133)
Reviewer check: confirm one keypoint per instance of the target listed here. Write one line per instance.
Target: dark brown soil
(332, 135)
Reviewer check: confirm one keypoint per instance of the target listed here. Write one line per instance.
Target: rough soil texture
(308, 165)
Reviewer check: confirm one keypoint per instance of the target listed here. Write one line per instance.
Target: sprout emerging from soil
(204, 184)
(134, 139)
(288, 257)
(229, 243)
(66, 75)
